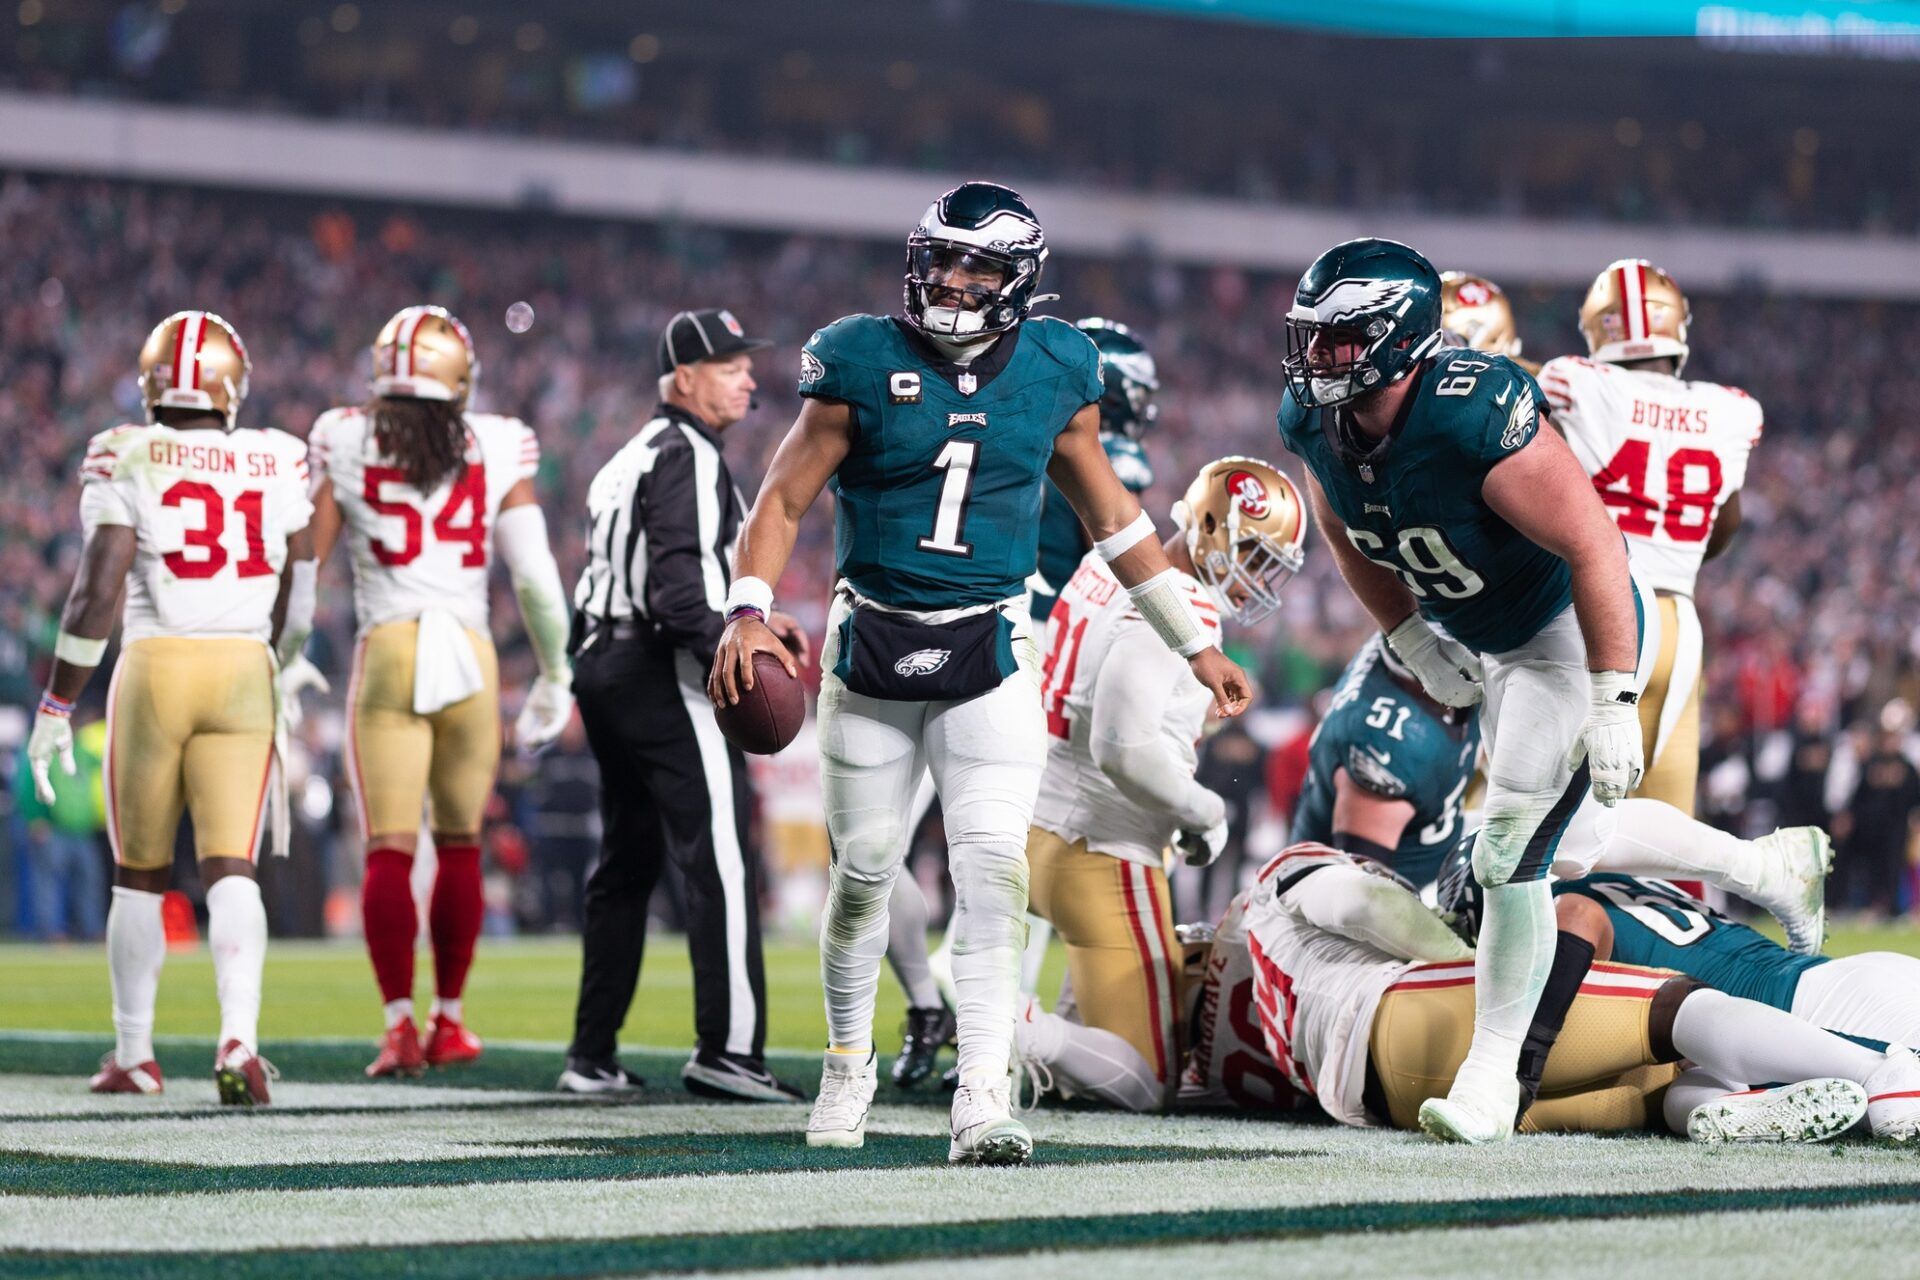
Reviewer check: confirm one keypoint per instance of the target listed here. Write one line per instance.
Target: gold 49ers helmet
(1635, 311)
(425, 354)
(1246, 526)
(194, 360)
(1475, 310)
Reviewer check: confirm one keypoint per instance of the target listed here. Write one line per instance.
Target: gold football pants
(1601, 1076)
(189, 725)
(1670, 708)
(401, 761)
(1116, 918)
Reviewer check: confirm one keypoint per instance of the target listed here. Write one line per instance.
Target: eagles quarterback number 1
(956, 459)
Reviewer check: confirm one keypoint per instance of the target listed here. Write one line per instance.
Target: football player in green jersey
(937, 431)
(1387, 768)
(1128, 382)
(1446, 504)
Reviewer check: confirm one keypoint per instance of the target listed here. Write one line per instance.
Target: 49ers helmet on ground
(194, 360)
(1635, 311)
(1475, 310)
(1246, 526)
(425, 354)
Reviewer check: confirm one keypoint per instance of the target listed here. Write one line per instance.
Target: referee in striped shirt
(663, 514)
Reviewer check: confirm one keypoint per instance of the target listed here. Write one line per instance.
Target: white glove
(52, 736)
(548, 707)
(1201, 848)
(1610, 741)
(1448, 670)
(295, 678)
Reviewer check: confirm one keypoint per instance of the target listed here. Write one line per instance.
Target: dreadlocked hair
(426, 439)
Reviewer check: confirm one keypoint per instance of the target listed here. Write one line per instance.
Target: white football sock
(398, 1011)
(237, 935)
(1692, 1088)
(1758, 1044)
(1652, 838)
(1510, 968)
(136, 948)
(988, 932)
(1034, 957)
(853, 940)
(448, 1009)
(1088, 1062)
(907, 941)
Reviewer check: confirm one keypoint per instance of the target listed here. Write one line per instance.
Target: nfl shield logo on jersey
(967, 383)
(922, 662)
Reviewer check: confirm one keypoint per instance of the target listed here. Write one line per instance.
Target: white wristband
(1113, 546)
(1166, 610)
(749, 593)
(78, 650)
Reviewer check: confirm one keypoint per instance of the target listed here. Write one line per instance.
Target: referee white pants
(985, 755)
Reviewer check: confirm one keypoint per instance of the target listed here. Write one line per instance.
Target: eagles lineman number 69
(1431, 566)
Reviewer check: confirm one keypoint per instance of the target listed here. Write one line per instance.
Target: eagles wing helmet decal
(1346, 299)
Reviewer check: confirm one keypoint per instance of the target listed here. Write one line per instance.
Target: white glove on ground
(548, 707)
(1448, 670)
(52, 737)
(1610, 741)
(1202, 848)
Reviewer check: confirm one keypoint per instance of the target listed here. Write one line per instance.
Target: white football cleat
(839, 1117)
(1479, 1109)
(1793, 887)
(1810, 1111)
(1893, 1096)
(984, 1128)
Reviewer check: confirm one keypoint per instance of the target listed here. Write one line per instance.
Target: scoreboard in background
(1868, 28)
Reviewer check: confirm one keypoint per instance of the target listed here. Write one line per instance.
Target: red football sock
(387, 917)
(454, 917)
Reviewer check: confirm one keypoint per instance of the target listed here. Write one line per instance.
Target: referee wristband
(78, 650)
(1115, 545)
(749, 593)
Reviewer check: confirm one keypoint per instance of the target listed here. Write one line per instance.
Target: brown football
(768, 715)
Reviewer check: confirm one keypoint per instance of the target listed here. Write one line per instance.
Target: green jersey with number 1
(938, 499)
(1412, 503)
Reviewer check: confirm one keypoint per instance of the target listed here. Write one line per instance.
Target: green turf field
(484, 1172)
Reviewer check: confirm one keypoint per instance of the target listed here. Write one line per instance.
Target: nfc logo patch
(903, 388)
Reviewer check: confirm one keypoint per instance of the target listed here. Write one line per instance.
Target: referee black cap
(692, 336)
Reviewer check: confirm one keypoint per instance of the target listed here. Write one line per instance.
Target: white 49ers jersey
(1315, 992)
(1096, 632)
(1229, 1065)
(211, 510)
(1665, 454)
(415, 551)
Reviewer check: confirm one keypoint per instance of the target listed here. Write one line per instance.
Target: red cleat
(399, 1053)
(114, 1078)
(449, 1042)
(242, 1076)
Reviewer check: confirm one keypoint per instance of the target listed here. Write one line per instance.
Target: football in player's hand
(768, 716)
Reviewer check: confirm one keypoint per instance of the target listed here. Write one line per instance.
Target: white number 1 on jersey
(956, 459)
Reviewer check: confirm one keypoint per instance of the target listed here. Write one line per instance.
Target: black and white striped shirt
(662, 518)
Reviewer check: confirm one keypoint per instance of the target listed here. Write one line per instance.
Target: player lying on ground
(1124, 715)
(1388, 766)
(425, 489)
(1874, 996)
(197, 520)
(1128, 382)
(1364, 997)
(938, 430)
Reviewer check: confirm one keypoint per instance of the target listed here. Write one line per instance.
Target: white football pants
(985, 755)
(1875, 995)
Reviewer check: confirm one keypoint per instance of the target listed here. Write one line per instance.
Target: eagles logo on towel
(922, 662)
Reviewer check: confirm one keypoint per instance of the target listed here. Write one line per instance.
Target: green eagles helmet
(1377, 294)
(1128, 376)
(979, 227)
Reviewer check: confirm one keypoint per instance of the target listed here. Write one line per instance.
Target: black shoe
(588, 1075)
(926, 1032)
(733, 1078)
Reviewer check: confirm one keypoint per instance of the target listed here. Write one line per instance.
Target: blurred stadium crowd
(1649, 132)
(1813, 618)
